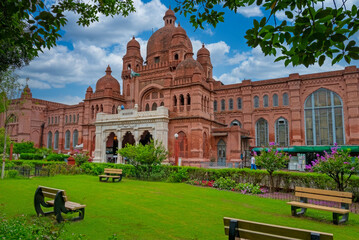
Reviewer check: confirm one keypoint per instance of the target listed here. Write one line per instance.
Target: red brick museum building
(212, 120)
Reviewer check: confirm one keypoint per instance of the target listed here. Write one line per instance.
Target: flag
(134, 74)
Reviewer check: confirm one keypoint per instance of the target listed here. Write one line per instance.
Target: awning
(305, 149)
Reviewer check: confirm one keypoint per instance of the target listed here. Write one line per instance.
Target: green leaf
(321, 60)
(289, 14)
(338, 37)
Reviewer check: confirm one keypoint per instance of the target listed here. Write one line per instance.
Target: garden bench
(108, 174)
(60, 203)
(243, 229)
(344, 198)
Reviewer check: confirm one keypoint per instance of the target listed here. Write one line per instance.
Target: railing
(28, 171)
(219, 165)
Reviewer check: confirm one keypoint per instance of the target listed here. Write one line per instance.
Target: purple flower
(346, 163)
(352, 169)
(272, 144)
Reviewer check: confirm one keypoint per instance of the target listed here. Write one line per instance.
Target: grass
(155, 210)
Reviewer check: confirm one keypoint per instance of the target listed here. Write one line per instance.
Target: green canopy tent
(309, 149)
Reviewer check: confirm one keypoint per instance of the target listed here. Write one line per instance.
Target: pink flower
(352, 169)
(346, 163)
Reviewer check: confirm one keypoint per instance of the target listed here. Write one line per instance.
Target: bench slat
(269, 231)
(51, 192)
(248, 234)
(110, 176)
(322, 197)
(69, 205)
(325, 192)
(113, 170)
(318, 207)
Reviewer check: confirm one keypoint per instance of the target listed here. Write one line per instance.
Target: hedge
(57, 157)
(31, 156)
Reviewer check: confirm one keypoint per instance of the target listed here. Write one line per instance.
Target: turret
(204, 58)
(133, 58)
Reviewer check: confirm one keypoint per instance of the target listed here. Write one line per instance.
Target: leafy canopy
(312, 32)
(27, 27)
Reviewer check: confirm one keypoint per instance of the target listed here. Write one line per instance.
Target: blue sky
(63, 73)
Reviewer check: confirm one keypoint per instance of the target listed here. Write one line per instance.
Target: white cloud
(218, 51)
(255, 66)
(69, 100)
(251, 11)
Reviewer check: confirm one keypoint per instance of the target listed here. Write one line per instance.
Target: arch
(324, 118)
(239, 103)
(154, 107)
(149, 88)
(282, 132)
(236, 123)
(70, 118)
(52, 120)
(176, 57)
(56, 140)
(111, 147)
(92, 112)
(55, 120)
(128, 138)
(285, 99)
(74, 118)
(49, 139)
(265, 101)
(97, 109)
(146, 137)
(162, 104)
(147, 107)
(101, 108)
(221, 152)
(183, 144)
(223, 105)
(174, 100)
(128, 66)
(181, 100)
(67, 139)
(75, 138)
(188, 99)
(261, 132)
(215, 105)
(66, 119)
(275, 100)
(256, 102)
(113, 109)
(230, 104)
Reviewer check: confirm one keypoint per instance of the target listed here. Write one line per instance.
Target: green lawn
(156, 210)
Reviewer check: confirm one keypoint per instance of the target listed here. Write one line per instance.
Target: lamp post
(176, 149)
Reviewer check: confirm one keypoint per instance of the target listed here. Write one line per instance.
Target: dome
(160, 40)
(89, 89)
(179, 31)
(106, 81)
(169, 12)
(188, 66)
(203, 51)
(133, 43)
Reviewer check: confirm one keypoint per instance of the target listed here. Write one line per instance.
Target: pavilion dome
(188, 66)
(108, 81)
(133, 43)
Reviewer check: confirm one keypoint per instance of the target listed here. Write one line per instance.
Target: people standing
(253, 162)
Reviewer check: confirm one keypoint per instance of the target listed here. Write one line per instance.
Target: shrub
(57, 157)
(24, 147)
(179, 176)
(224, 183)
(31, 156)
(81, 158)
(12, 173)
(248, 188)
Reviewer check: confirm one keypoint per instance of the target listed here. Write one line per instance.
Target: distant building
(175, 93)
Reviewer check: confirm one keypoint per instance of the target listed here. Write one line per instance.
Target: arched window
(113, 109)
(261, 132)
(181, 100)
(75, 138)
(282, 132)
(285, 99)
(101, 108)
(230, 104)
(236, 123)
(70, 119)
(265, 101)
(67, 139)
(147, 107)
(183, 145)
(215, 105)
(66, 119)
(56, 140)
(223, 105)
(188, 99)
(55, 120)
(239, 103)
(174, 101)
(323, 114)
(49, 140)
(162, 104)
(52, 120)
(74, 118)
(275, 100)
(129, 66)
(154, 106)
(176, 56)
(256, 102)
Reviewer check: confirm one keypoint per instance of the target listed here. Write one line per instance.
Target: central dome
(108, 81)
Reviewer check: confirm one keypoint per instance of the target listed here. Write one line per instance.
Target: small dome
(203, 51)
(169, 12)
(133, 43)
(179, 31)
(188, 66)
(106, 80)
(89, 89)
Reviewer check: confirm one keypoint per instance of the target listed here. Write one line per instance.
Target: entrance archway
(111, 148)
(221, 153)
(128, 138)
(146, 137)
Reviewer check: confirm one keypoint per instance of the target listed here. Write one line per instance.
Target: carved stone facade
(212, 120)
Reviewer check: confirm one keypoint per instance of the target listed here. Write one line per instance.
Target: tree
(9, 90)
(272, 160)
(144, 157)
(338, 165)
(312, 32)
(27, 27)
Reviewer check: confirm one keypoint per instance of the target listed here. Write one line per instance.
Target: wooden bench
(108, 174)
(59, 203)
(242, 229)
(344, 198)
